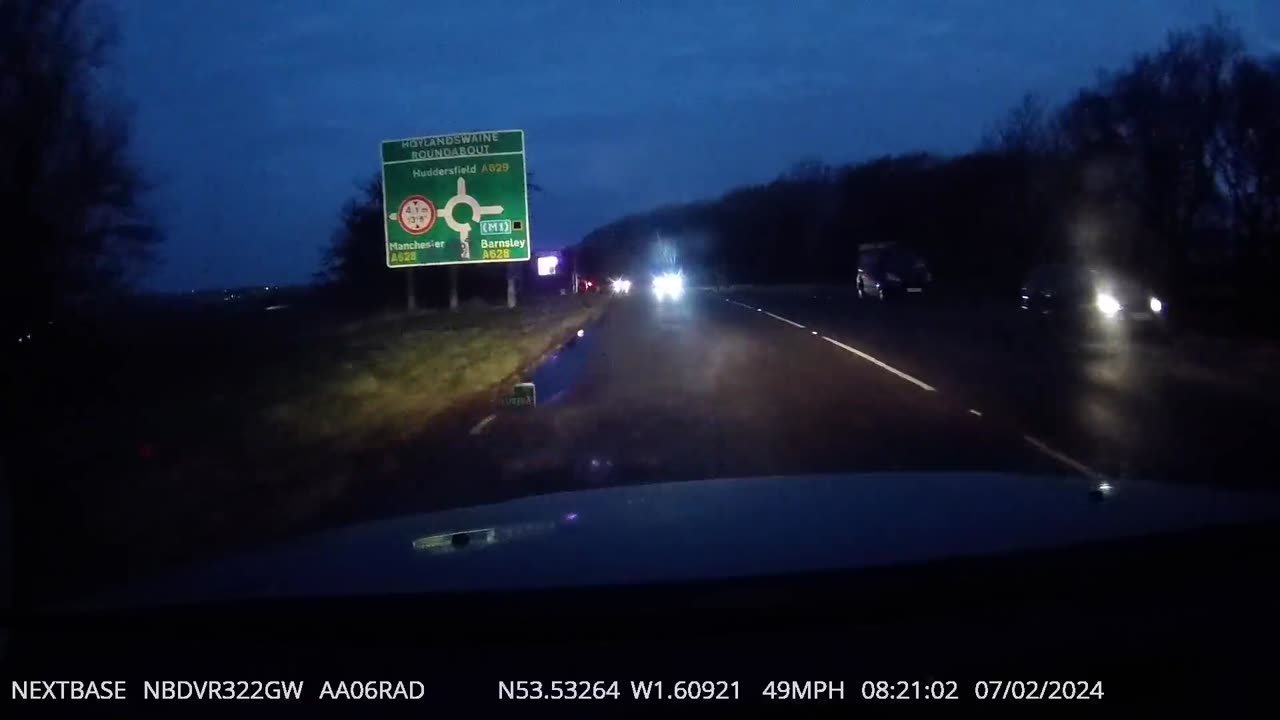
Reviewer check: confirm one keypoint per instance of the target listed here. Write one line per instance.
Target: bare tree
(357, 259)
(66, 179)
(1152, 125)
(1024, 129)
(1245, 155)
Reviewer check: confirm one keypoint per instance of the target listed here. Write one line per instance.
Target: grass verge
(389, 377)
(203, 434)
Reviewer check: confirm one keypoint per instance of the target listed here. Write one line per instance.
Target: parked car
(1092, 296)
(886, 270)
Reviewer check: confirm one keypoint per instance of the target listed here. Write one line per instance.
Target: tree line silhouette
(1168, 168)
(70, 195)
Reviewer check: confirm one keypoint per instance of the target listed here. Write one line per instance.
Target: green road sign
(450, 199)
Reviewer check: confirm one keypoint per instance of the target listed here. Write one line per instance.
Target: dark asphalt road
(704, 388)
(1156, 410)
(726, 385)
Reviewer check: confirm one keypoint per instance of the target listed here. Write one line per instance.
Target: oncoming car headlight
(1107, 304)
(1155, 305)
(668, 285)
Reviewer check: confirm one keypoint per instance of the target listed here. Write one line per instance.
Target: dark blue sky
(256, 118)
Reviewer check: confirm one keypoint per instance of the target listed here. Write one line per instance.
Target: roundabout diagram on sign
(416, 215)
(478, 211)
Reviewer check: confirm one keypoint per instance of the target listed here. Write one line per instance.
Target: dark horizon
(280, 128)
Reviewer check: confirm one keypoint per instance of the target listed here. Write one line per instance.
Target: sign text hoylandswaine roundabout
(450, 199)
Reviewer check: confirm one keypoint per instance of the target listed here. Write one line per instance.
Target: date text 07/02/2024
(794, 690)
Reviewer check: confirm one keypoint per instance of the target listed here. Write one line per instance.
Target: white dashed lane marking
(779, 317)
(1063, 458)
(884, 366)
(480, 426)
(1066, 460)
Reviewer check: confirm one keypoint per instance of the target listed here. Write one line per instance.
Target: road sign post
(456, 199)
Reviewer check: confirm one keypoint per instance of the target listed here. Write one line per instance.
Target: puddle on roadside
(562, 369)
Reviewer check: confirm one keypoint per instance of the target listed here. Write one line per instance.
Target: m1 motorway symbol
(495, 227)
(474, 182)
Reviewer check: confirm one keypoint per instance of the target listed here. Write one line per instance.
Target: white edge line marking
(480, 426)
(974, 412)
(1066, 460)
(789, 322)
(890, 368)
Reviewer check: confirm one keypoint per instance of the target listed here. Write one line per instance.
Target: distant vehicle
(1091, 296)
(886, 270)
(668, 285)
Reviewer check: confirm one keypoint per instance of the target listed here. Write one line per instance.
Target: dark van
(887, 270)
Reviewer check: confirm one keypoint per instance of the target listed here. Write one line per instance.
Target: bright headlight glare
(668, 284)
(1155, 304)
(1107, 304)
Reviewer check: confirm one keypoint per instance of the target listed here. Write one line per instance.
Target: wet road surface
(786, 382)
(706, 387)
(1166, 409)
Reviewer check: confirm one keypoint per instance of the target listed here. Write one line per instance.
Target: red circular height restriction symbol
(416, 215)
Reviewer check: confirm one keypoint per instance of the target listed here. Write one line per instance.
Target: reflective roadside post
(522, 395)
